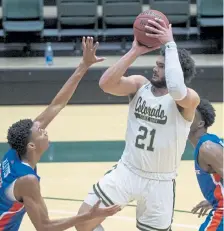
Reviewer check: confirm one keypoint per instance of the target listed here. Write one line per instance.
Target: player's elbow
(109, 81)
(105, 85)
(178, 92)
(102, 84)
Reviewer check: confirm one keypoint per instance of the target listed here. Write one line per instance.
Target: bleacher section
(28, 24)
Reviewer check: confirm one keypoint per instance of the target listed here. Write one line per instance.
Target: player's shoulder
(29, 181)
(139, 80)
(211, 151)
(210, 137)
(209, 143)
(26, 186)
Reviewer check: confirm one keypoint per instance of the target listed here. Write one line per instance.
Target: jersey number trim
(143, 136)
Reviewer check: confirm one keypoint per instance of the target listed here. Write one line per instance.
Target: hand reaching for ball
(141, 49)
(159, 30)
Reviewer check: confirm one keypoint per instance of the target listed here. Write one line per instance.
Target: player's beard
(159, 84)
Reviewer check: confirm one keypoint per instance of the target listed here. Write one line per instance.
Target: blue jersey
(211, 184)
(11, 211)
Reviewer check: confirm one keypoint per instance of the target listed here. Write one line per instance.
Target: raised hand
(89, 52)
(159, 30)
(141, 49)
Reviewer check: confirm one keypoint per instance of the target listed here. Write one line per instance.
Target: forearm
(62, 98)
(113, 74)
(173, 73)
(70, 86)
(66, 223)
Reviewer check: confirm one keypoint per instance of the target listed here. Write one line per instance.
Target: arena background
(87, 138)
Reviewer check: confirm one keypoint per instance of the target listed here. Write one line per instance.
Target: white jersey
(156, 135)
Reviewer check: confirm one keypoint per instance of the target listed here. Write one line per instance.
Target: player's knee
(92, 225)
(84, 208)
(84, 226)
(88, 228)
(99, 228)
(81, 228)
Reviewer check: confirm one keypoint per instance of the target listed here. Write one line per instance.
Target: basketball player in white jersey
(161, 112)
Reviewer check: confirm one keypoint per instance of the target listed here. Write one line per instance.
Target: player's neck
(194, 138)
(31, 160)
(159, 91)
(31, 164)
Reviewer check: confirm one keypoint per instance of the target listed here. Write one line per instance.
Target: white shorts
(155, 199)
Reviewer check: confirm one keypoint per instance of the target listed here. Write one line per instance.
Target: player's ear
(31, 146)
(201, 124)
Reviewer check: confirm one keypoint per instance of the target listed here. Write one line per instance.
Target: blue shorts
(214, 221)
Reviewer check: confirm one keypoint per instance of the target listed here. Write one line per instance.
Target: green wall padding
(88, 151)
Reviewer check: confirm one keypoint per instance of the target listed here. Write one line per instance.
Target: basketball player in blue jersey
(19, 181)
(208, 157)
(160, 115)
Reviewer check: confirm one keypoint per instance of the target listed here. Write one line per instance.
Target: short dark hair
(186, 62)
(19, 135)
(207, 112)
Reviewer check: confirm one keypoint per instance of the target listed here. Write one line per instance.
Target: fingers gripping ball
(139, 27)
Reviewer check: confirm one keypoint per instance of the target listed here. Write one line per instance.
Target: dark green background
(40, 85)
(88, 151)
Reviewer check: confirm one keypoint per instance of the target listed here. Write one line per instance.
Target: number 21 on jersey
(141, 137)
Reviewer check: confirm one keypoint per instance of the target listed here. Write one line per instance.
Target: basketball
(139, 27)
